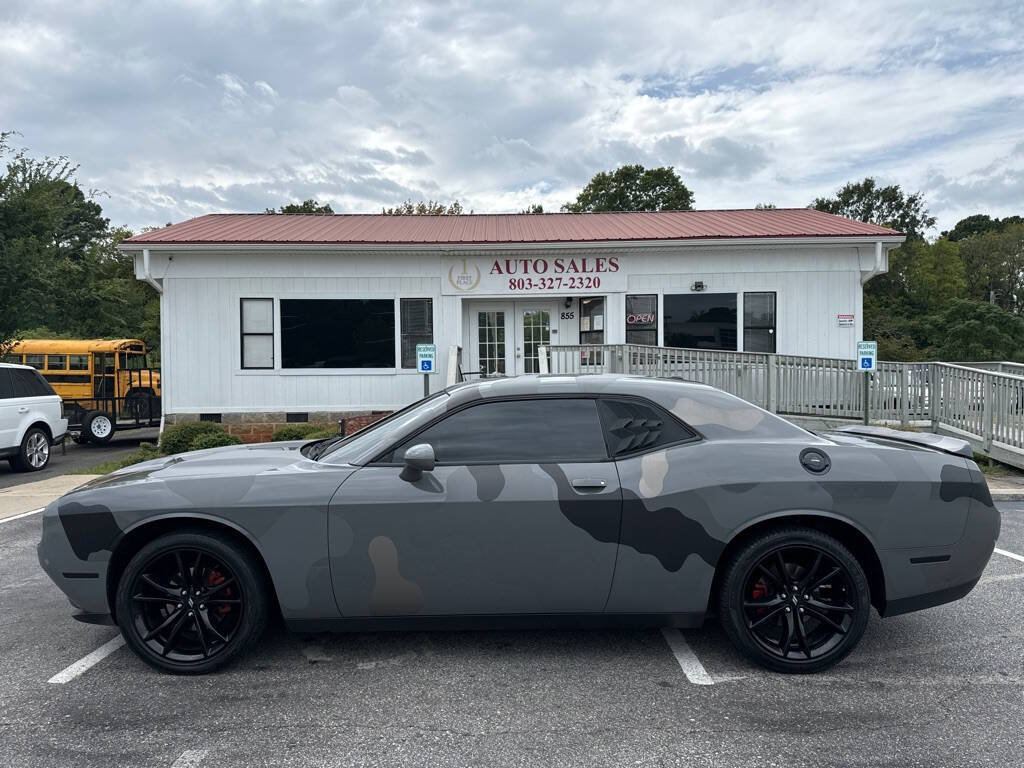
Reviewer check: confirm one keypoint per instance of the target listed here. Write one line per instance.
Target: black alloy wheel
(190, 602)
(795, 600)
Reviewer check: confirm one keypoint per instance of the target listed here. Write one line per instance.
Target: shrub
(146, 452)
(213, 440)
(308, 431)
(178, 438)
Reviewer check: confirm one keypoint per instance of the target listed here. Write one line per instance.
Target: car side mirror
(417, 460)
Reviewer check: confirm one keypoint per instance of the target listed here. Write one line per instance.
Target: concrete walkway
(29, 496)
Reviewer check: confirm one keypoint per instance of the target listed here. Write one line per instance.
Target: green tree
(994, 264)
(969, 330)
(979, 224)
(765, 206)
(306, 206)
(60, 271)
(885, 206)
(533, 208)
(424, 208)
(633, 188)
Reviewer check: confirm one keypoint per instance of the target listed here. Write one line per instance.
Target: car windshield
(377, 436)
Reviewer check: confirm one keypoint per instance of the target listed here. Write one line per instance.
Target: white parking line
(190, 758)
(1004, 553)
(688, 661)
(23, 514)
(87, 662)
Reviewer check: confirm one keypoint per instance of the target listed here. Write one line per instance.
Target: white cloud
(242, 107)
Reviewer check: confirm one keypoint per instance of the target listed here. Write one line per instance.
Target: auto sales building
(273, 318)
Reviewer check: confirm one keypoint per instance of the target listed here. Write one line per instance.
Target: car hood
(231, 460)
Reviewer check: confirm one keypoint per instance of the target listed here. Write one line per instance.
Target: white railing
(985, 406)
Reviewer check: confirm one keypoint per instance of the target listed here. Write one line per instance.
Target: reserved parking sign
(425, 355)
(867, 355)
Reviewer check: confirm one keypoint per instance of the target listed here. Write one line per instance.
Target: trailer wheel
(98, 427)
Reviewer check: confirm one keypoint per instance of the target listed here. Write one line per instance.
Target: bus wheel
(98, 427)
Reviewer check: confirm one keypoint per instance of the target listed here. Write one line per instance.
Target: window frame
(242, 333)
(388, 453)
(657, 318)
(399, 330)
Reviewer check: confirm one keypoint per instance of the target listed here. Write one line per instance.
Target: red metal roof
(378, 229)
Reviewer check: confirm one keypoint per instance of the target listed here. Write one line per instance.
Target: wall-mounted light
(698, 286)
(568, 301)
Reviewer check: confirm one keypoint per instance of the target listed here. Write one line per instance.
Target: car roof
(16, 365)
(560, 384)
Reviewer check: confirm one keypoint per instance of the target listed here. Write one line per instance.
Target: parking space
(78, 458)
(941, 687)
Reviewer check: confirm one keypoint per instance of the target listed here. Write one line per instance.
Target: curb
(1009, 495)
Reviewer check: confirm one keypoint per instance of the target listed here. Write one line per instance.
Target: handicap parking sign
(425, 354)
(867, 354)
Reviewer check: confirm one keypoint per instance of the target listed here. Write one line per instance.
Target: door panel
(493, 339)
(471, 540)
(533, 329)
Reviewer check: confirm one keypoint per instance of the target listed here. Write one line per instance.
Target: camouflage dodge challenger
(551, 500)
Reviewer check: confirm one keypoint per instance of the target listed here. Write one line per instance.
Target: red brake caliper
(213, 578)
(759, 591)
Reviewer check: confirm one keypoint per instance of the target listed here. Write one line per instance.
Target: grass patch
(146, 452)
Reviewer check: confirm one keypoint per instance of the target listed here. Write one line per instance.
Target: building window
(759, 322)
(700, 320)
(417, 327)
(337, 333)
(642, 319)
(257, 333)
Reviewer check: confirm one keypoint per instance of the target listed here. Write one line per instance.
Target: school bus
(106, 384)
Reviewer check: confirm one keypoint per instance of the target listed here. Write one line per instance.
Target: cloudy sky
(178, 109)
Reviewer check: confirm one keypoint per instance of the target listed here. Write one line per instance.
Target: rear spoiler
(953, 445)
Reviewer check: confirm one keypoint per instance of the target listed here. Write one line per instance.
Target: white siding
(201, 334)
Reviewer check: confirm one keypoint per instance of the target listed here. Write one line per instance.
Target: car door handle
(23, 409)
(584, 482)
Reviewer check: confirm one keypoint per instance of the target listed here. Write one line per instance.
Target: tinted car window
(536, 431)
(29, 383)
(6, 386)
(631, 425)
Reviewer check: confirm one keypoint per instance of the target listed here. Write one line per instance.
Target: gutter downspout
(877, 269)
(148, 277)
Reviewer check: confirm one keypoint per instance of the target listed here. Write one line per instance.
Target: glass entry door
(504, 336)
(533, 321)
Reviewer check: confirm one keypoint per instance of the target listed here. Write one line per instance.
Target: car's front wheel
(191, 602)
(794, 600)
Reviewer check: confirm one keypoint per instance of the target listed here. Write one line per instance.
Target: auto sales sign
(500, 275)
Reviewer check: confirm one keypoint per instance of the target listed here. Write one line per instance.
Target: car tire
(794, 600)
(98, 427)
(34, 452)
(221, 613)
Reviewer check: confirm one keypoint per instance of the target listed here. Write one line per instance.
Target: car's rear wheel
(34, 452)
(794, 600)
(191, 602)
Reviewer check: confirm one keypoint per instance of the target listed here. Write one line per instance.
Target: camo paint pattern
(519, 538)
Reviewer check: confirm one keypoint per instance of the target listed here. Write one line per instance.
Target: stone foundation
(258, 426)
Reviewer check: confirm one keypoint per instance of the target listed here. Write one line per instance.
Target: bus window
(56, 362)
(36, 361)
(132, 361)
(78, 362)
(16, 359)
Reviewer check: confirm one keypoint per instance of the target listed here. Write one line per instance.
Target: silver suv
(31, 418)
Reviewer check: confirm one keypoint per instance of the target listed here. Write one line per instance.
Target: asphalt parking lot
(944, 687)
(77, 458)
